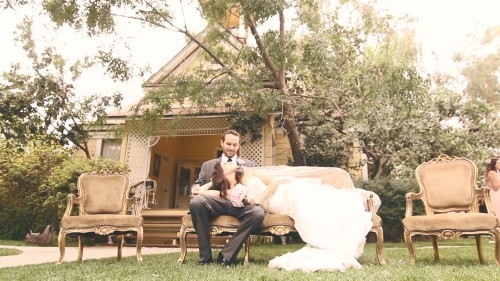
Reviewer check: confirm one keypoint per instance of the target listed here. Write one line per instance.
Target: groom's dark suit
(204, 208)
(208, 167)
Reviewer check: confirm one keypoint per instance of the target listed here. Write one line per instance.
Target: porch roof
(119, 115)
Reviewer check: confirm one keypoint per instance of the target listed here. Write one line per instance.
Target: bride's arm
(203, 189)
(211, 192)
(271, 185)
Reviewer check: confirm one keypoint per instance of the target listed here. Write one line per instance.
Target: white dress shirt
(225, 159)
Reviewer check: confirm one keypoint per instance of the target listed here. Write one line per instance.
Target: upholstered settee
(281, 225)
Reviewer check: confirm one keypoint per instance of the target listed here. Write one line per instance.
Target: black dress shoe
(202, 262)
(222, 261)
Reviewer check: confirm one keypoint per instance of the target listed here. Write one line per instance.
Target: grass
(457, 263)
(9, 252)
(14, 242)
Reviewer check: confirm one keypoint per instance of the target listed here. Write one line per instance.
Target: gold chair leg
(247, 251)
(119, 242)
(479, 247)
(409, 245)
(496, 235)
(182, 241)
(380, 244)
(61, 241)
(435, 248)
(80, 249)
(139, 244)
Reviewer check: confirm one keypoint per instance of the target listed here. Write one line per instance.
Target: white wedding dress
(333, 222)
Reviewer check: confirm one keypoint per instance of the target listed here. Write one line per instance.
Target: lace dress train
(333, 222)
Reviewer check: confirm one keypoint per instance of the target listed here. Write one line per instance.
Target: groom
(204, 208)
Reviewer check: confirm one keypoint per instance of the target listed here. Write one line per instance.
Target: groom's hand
(195, 188)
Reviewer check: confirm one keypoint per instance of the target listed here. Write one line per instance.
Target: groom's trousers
(204, 208)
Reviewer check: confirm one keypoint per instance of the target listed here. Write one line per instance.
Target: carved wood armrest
(71, 199)
(371, 207)
(484, 193)
(410, 197)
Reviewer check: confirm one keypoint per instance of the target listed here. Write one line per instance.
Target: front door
(187, 173)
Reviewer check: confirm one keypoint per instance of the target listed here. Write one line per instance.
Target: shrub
(392, 211)
(34, 185)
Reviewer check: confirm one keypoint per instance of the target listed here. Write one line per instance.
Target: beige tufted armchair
(103, 202)
(449, 192)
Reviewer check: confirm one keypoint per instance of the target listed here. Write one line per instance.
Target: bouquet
(239, 195)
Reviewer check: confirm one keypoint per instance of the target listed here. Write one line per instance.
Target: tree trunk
(381, 172)
(293, 135)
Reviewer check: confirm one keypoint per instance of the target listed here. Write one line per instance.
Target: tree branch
(265, 55)
(281, 73)
(188, 34)
(324, 98)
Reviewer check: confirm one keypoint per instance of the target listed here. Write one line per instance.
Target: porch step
(162, 226)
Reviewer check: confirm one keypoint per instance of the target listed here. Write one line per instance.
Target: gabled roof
(178, 64)
(187, 56)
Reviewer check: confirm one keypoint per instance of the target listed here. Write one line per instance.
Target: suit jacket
(208, 168)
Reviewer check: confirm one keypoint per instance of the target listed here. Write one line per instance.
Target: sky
(442, 28)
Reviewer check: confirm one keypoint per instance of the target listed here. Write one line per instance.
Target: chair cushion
(230, 221)
(451, 221)
(101, 220)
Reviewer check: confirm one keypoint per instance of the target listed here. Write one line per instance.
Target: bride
(333, 222)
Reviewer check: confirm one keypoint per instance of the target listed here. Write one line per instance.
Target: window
(111, 149)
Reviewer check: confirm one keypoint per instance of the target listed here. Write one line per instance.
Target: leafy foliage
(345, 84)
(338, 74)
(41, 102)
(34, 184)
(481, 70)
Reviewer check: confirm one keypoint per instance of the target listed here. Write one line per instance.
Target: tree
(336, 82)
(98, 16)
(482, 71)
(41, 103)
(261, 73)
(10, 4)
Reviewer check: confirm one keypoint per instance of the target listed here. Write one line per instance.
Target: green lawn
(457, 263)
(14, 242)
(9, 252)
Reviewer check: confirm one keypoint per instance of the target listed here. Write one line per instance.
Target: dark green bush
(34, 185)
(392, 211)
